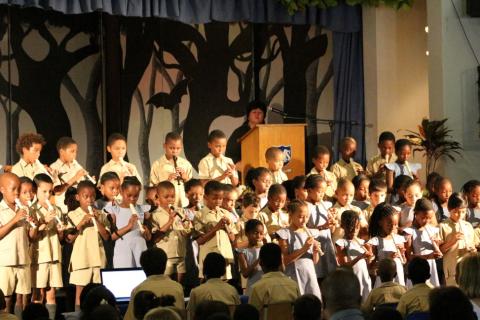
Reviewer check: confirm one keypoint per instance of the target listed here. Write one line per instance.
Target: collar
(274, 274)
(389, 284)
(215, 280)
(68, 165)
(158, 277)
(165, 160)
(24, 163)
(4, 205)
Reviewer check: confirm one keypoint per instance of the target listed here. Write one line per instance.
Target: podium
(290, 138)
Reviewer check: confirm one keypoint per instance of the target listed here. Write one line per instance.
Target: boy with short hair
(172, 167)
(321, 160)
(230, 197)
(274, 158)
(346, 167)
(377, 189)
(29, 146)
(376, 165)
(215, 165)
(194, 192)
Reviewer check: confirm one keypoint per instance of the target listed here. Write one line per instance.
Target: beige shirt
(273, 287)
(330, 178)
(88, 251)
(375, 163)
(211, 168)
(279, 176)
(46, 248)
(63, 172)
(24, 169)
(174, 243)
(163, 167)
(414, 300)
(14, 246)
(122, 168)
(341, 169)
(388, 292)
(275, 220)
(214, 289)
(160, 285)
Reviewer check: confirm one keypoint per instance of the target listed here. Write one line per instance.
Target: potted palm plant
(434, 139)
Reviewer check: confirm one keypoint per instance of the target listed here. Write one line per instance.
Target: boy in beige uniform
(88, 254)
(376, 165)
(321, 160)
(416, 298)
(215, 231)
(346, 167)
(29, 146)
(170, 231)
(173, 168)
(275, 159)
(215, 165)
(14, 236)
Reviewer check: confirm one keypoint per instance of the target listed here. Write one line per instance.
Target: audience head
(105, 312)
(95, 297)
(35, 311)
(162, 313)
(208, 308)
(214, 265)
(468, 275)
(418, 270)
(153, 261)
(387, 270)
(448, 303)
(246, 312)
(147, 300)
(307, 307)
(340, 291)
(86, 290)
(270, 257)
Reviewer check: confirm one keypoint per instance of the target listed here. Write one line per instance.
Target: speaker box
(473, 8)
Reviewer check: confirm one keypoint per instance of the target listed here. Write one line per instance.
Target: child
(457, 237)
(109, 188)
(172, 230)
(403, 150)
(299, 191)
(397, 196)
(29, 146)
(346, 167)
(27, 191)
(321, 160)
(443, 191)
(230, 197)
(385, 243)
(300, 250)
(248, 257)
(322, 219)
(274, 158)
(172, 167)
(471, 191)
(88, 255)
(14, 237)
(250, 210)
(360, 198)
(194, 192)
(413, 192)
(354, 252)
(376, 165)
(259, 181)
(424, 242)
(117, 147)
(277, 218)
(215, 165)
(377, 190)
(151, 198)
(130, 233)
(215, 231)
(432, 179)
(46, 250)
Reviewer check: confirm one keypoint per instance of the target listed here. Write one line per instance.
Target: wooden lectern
(288, 137)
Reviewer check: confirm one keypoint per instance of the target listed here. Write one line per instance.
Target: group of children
(343, 217)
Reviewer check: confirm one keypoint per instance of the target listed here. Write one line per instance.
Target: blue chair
(418, 316)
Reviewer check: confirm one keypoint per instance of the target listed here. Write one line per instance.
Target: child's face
(172, 148)
(300, 217)
(256, 236)
(457, 214)
(403, 154)
(69, 153)
(217, 147)
(301, 194)
(423, 217)
(26, 193)
(277, 202)
(166, 197)
(110, 189)
(316, 194)
(130, 194)
(361, 193)
(444, 191)
(195, 196)
(377, 197)
(118, 149)
(386, 147)
(262, 183)
(321, 162)
(151, 196)
(32, 154)
(387, 224)
(412, 194)
(44, 191)
(345, 195)
(214, 199)
(229, 200)
(474, 197)
(10, 189)
(348, 150)
(86, 197)
(251, 211)
(276, 162)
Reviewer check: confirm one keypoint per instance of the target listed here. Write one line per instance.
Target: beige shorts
(175, 265)
(47, 275)
(85, 276)
(15, 279)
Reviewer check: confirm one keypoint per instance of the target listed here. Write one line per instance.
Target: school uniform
(403, 169)
(275, 220)
(240, 227)
(473, 216)
(213, 290)
(385, 248)
(279, 176)
(122, 168)
(15, 259)
(414, 300)
(29, 170)
(211, 167)
(343, 169)
(160, 285)
(251, 255)
(273, 287)
(330, 178)
(162, 168)
(174, 242)
(376, 162)
(387, 292)
(339, 233)
(88, 254)
(406, 215)
(63, 172)
(367, 213)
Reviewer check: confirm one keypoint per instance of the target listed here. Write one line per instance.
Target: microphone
(179, 178)
(277, 111)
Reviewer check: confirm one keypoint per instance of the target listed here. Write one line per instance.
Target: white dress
(385, 247)
(319, 216)
(354, 248)
(251, 255)
(407, 169)
(406, 215)
(422, 245)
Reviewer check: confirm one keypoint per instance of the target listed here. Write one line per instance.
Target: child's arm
(390, 177)
(80, 226)
(343, 258)
(450, 241)
(101, 227)
(245, 269)
(210, 234)
(9, 226)
(118, 233)
(295, 255)
(64, 187)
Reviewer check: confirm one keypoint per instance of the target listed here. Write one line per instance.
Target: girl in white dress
(413, 192)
